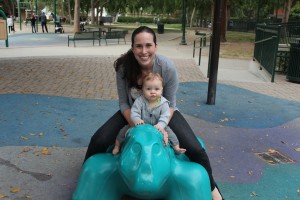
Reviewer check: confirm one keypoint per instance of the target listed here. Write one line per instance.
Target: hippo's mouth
(144, 162)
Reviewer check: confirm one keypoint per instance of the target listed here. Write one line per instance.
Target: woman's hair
(127, 61)
(152, 76)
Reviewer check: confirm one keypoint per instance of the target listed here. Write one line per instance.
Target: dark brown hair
(127, 61)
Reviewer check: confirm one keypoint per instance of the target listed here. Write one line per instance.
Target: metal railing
(199, 43)
(293, 72)
(266, 47)
(288, 32)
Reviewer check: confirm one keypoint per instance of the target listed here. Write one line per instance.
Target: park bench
(115, 34)
(92, 35)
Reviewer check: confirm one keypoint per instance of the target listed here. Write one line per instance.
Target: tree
(69, 11)
(287, 10)
(77, 16)
(8, 6)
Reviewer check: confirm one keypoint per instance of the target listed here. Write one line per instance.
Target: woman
(131, 68)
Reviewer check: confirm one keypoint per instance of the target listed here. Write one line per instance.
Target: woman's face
(144, 49)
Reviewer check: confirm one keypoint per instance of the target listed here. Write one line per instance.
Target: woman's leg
(106, 135)
(188, 140)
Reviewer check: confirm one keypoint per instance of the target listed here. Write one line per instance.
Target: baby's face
(152, 89)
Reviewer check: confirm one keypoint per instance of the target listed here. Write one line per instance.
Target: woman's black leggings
(107, 133)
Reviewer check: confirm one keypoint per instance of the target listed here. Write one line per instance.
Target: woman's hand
(165, 134)
(140, 122)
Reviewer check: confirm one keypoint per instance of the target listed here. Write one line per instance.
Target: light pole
(183, 42)
(37, 20)
(54, 12)
(19, 13)
(214, 58)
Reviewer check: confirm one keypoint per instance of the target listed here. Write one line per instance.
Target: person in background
(9, 24)
(44, 22)
(13, 22)
(32, 22)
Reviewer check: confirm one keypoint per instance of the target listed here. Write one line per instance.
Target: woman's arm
(122, 91)
(123, 96)
(126, 114)
(171, 83)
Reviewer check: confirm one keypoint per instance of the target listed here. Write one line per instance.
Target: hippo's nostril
(156, 148)
(136, 148)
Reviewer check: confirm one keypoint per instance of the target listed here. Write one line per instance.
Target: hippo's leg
(189, 181)
(99, 179)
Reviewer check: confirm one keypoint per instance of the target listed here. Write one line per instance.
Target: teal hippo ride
(145, 169)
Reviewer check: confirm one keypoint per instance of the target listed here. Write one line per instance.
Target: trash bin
(160, 28)
(293, 72)
(203, 35)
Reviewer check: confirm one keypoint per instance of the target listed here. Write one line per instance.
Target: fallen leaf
(24, 138)
(41, 134)
(224, 120)
(271, 150)
(297, 149)
(2, 196)
(28, 197)
(15, 190)
(26, 149)
(45, 151)
(253, 194)
(32, 134)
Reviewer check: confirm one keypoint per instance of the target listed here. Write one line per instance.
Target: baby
(151, 108)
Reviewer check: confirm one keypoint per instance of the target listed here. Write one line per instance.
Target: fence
(288, 32)
(293, 72)
(266, 47)
(199, 43)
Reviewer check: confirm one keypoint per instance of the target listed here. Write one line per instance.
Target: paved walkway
(54, 97)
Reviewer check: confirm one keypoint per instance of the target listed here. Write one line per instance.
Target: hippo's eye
(136, 148)
(156, 148)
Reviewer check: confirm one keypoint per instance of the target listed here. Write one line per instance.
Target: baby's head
(153, 86)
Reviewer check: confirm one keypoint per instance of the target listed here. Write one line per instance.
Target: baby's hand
(165, 134)
(140, 122)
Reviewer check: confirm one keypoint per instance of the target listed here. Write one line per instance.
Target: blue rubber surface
(241, 124)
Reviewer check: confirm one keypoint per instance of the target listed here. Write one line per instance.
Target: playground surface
(53, 98)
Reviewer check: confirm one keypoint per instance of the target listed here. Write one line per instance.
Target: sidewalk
(54, 97)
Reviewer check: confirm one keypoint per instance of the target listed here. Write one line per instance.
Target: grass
(240, 36)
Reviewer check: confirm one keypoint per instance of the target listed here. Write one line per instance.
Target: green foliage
(295, 11)
(148, 20)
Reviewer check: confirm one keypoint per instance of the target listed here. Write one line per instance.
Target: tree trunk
(62, 9)
(192, 16)
(76, 16)
(224, 21)
(92, 12)
(100, 16)
(69, 11)
(9, 6)
(212, 8)
(286, 11)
